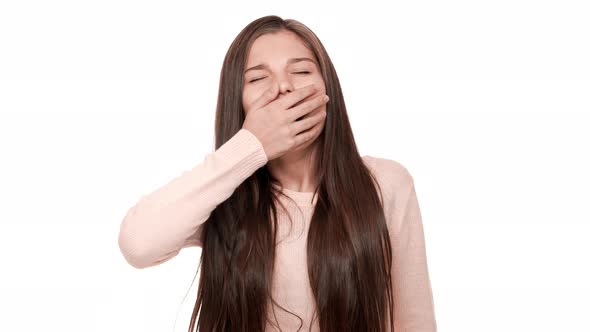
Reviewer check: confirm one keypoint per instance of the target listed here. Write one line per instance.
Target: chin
(307, 145)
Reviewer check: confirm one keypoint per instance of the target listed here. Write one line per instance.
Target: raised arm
(170, 218)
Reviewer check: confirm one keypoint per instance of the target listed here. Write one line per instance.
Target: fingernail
(326, 98)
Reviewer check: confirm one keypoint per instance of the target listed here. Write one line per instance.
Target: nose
(285, 85)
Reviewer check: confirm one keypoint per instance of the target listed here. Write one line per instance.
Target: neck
(294, 170)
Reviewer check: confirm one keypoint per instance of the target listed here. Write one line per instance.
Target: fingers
(296, 96)
(304, 108)
(317, 125)
(306, 123)
(266, 97)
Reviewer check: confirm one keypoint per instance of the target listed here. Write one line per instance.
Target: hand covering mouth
(301, 101)
(297, 104)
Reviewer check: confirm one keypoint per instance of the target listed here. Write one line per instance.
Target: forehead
(276, 46)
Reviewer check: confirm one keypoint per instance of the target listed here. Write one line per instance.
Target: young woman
(298, 231)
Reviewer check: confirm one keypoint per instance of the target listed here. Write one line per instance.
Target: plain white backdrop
(485, 102)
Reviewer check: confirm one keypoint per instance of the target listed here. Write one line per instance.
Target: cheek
(249, 96)
(245, 102)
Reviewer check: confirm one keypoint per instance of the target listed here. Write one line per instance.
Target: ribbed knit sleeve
(413, 298)
(170, 218)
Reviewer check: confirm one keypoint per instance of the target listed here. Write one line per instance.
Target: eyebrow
(290, 61)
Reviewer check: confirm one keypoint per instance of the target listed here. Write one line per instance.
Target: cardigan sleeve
(413, 299)
(171, 217)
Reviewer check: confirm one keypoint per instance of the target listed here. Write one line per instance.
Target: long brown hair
(348, 249)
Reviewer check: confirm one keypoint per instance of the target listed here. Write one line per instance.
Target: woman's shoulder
(387, 170)
(393, 177)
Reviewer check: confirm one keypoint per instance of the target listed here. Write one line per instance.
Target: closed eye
(299, 72)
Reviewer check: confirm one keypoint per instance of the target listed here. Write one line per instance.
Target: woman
(298, 231)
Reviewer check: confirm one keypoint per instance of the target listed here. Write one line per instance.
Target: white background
(485, 102)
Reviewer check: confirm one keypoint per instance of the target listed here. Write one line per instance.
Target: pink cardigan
(168, 219)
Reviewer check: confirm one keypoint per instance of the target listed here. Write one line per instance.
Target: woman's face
(275, 59)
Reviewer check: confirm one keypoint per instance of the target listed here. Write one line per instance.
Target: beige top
(168, 219)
